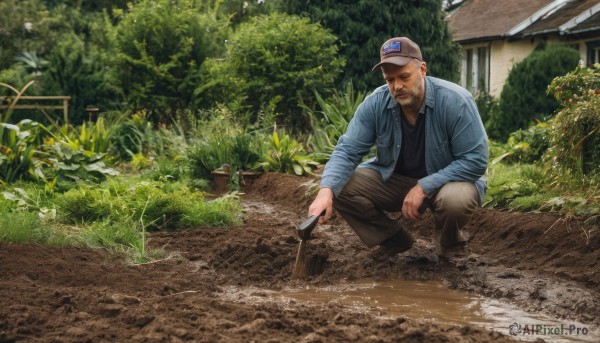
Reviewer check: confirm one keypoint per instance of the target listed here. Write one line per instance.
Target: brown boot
(456, 252)
(399, 243)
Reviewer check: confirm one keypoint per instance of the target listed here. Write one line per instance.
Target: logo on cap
(392, 47)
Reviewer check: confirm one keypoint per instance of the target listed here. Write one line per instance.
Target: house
(495, 35)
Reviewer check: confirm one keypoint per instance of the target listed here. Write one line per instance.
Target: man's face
(406, 83)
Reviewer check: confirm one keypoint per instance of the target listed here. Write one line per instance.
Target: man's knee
(457, 198)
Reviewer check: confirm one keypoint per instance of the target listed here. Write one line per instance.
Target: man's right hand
(323, 201)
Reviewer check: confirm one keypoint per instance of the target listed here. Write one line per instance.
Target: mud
(537, 262)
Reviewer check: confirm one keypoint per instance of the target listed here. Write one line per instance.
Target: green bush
(68, 161)
(529, 145)
(167, 169)
(509, 182)
(126, 141)
(80, 69)
(576, 129)
(524, 98)
(159, 47)
(153, 205)
(275, 61)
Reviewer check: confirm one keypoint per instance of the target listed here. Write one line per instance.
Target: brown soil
(538, 261)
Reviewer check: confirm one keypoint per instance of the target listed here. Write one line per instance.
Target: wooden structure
(42, 103)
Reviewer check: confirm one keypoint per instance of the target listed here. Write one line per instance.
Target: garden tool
(304, 230)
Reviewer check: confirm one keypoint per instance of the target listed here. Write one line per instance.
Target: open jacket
(456, 147)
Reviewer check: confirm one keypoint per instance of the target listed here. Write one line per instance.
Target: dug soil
(540, 262)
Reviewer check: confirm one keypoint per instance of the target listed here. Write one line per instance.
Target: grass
(529, 187)
(116, 215)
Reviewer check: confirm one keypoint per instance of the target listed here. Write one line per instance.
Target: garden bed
(536, 261)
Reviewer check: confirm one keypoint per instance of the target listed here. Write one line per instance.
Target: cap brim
(397, 60)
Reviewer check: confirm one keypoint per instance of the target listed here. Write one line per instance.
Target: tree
(24, 26)
(523, 97)
(80, 70)
(363, 25)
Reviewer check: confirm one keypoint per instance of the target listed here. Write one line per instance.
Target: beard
(410, 95)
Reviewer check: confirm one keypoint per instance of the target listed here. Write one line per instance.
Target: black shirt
(411, 161)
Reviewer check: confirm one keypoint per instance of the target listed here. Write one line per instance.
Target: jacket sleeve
(465, 158)
(352, 146)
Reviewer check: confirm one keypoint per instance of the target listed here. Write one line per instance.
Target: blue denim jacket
(456, 147)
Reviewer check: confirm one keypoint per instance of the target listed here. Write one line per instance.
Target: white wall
(503, 54)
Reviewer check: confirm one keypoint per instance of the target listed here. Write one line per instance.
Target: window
(593, 55)
(475, 75)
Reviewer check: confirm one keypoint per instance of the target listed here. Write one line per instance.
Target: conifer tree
(363, 25)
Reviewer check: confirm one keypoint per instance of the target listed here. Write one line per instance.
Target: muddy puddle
(428, 301)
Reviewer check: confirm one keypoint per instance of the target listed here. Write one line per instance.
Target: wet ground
(536, 274)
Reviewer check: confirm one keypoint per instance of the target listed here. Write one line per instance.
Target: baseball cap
(398, 51)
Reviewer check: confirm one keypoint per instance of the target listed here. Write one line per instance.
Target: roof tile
(479, 19)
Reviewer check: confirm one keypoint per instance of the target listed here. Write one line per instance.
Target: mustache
(396, 94)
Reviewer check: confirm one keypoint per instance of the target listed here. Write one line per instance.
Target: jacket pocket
(385, 150)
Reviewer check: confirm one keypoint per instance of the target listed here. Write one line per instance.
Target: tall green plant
(330, 123)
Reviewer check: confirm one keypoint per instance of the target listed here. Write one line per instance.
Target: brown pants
(366, 198)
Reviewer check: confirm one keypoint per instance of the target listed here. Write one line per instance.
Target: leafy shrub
(529, 145)
(286, 155)
(576, 128)
(159, 47)
(70, 162)
(275, 59)
(18, 150)
(505, 184)
(221, 141)
(524, 97)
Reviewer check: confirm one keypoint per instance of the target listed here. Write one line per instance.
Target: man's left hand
(412, 203)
